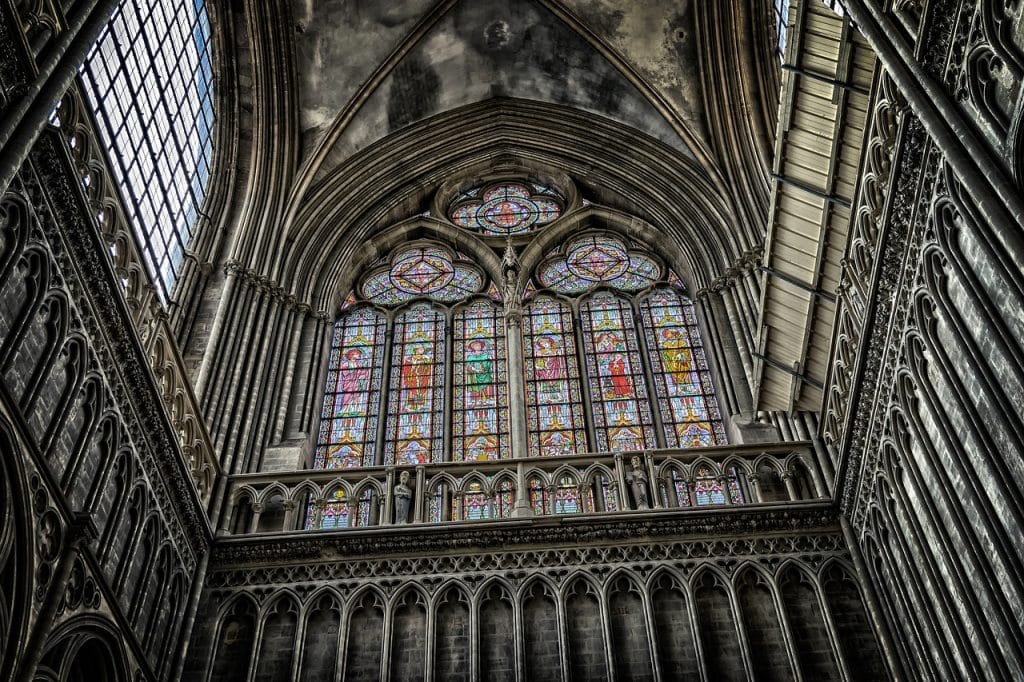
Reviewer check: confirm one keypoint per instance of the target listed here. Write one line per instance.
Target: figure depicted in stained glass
(622, 417)
(479, 373)
(416, 375)
(681, 377)
(548, 365)
(554, 404)
(355, 380)
(349, 417)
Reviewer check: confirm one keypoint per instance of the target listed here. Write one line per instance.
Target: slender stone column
(22, 124)
(518, 432)
(389, 496)
(418, 493)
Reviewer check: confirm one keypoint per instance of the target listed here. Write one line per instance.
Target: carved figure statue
(403, 498)
(637, 480)
(509, 276)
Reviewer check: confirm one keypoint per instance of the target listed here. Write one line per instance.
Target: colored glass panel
(706, 488)
(335, 512)
(538, 496)
(422, 270)
(682, 378)
(475, 503)
(567, 497)
(364, 507)
(505, 499)
(416, 397)
(597, 258)
(348, 426)
(594, 259)
(480, 401)
(506, 208)
(553, 400)
(435, 504)
(622, 414)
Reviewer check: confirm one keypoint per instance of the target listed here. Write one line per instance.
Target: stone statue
(509, 276)
(637, 480)
(403, 497)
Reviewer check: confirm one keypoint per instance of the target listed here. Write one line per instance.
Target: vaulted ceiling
(660, 108)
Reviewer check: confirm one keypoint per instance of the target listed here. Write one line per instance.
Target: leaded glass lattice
(415, 426)
(622, 414)
(480, 402)
(149, 79)
(594, 259)
(553, 401)
(682, 378)
(425, 270)
(348, 426)
(506, 208)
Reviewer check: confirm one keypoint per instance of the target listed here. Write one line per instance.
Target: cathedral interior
(520, 340)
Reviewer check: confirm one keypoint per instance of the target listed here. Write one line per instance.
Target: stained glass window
(348, 426)
(622, 414)
(567, 497)
(682, 378)
(480, 402)
(594, 259)
(553, 401)
(505, 499)
(707, 489)
(416, 396)
(424, 270)
(506, 208)
(435, 503)
(538, 496)
(335, 511)
(677, 489)
(475, 503)
(364, 508)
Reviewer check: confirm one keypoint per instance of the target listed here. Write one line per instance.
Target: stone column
(257, 510)
(653, 489)
(289, 515)
(389, 498)
(754, 481)
(787, 480)
(418, 493)
(518, 434)
(22, 124)
(620, 481)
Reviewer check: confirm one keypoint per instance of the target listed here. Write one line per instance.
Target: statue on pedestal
(403, 498)
(637, 480)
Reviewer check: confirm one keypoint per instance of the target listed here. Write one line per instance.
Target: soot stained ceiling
(407, 60)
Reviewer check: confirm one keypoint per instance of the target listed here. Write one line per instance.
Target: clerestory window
(149, 81)
(612, 361)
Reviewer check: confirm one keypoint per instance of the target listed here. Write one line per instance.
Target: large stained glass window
(554, 405)
(682, 378)
(480, 402)
(416, 395)
(622, 413)
(351, 407)
(506, 208)
(149, 79)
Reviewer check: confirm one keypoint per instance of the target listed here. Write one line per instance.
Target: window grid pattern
(415, 433)
(682, 377)
(149, 80)
(348, 426)
(480, 401)
(622, 412)
(553, 401)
